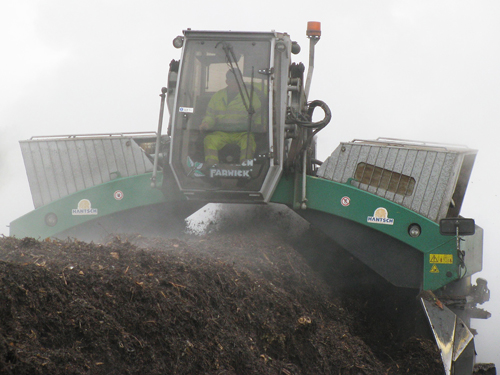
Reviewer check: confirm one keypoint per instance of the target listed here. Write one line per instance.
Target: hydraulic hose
(305, 120)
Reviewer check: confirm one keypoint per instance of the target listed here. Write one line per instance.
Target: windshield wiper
(235, 69)
(245, 96)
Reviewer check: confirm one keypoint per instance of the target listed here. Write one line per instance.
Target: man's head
(231, 82)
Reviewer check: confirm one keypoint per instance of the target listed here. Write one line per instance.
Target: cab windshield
(221, 116)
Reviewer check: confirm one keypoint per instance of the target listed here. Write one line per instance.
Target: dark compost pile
(226, 302)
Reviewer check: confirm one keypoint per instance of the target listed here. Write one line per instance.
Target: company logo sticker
(118, 195)
(380, 216)
(186, 109)
(84, 208)
(229, 173)
(242, 170)
(345, 201)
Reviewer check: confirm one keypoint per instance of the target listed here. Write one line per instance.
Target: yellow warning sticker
(434, 269)
(441, 258)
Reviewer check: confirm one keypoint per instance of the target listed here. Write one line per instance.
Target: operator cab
(236, 155)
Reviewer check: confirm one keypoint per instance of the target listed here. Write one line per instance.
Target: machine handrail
(70, 136)
(410, 143)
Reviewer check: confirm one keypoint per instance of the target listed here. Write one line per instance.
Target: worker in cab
(230, 117)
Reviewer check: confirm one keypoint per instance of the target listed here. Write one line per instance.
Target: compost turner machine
(392, 204)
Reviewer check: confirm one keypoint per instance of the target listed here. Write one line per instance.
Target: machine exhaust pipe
(313, 33)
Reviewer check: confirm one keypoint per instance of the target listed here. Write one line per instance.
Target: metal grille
(427, 178)
(57, 166)
(385, 179)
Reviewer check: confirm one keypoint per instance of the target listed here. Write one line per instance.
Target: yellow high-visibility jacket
(232, 116)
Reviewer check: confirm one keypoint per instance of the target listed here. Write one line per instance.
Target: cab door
(230, 159)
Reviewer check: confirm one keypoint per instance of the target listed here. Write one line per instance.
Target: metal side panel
(433, 189)
(350, 162)
(441, 197)
(30, 172)
(330, 165)
(121, 158)
(388, 163)
(424, 161)
(59, 166)
(75, 165)
(65, 187)
(52, 164)
(424, 178)
(400, 159)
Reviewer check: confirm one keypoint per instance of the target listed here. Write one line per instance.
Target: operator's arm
(209, 120)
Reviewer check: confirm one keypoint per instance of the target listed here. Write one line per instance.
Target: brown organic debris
(220, 304)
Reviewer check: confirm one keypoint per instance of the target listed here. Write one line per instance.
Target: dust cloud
(228, 218)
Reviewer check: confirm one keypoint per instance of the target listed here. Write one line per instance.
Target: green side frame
(115, 196)
(441, 264)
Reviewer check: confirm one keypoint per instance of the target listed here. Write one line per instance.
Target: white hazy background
(425, 70)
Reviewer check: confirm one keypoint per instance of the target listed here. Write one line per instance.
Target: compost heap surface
(223, 303)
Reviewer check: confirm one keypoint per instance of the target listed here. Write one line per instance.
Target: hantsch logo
(84, 208)
(380, 216)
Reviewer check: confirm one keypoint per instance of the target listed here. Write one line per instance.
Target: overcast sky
(425, 70)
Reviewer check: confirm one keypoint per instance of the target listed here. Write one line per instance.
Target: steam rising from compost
(250, 219)
(378, 306)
